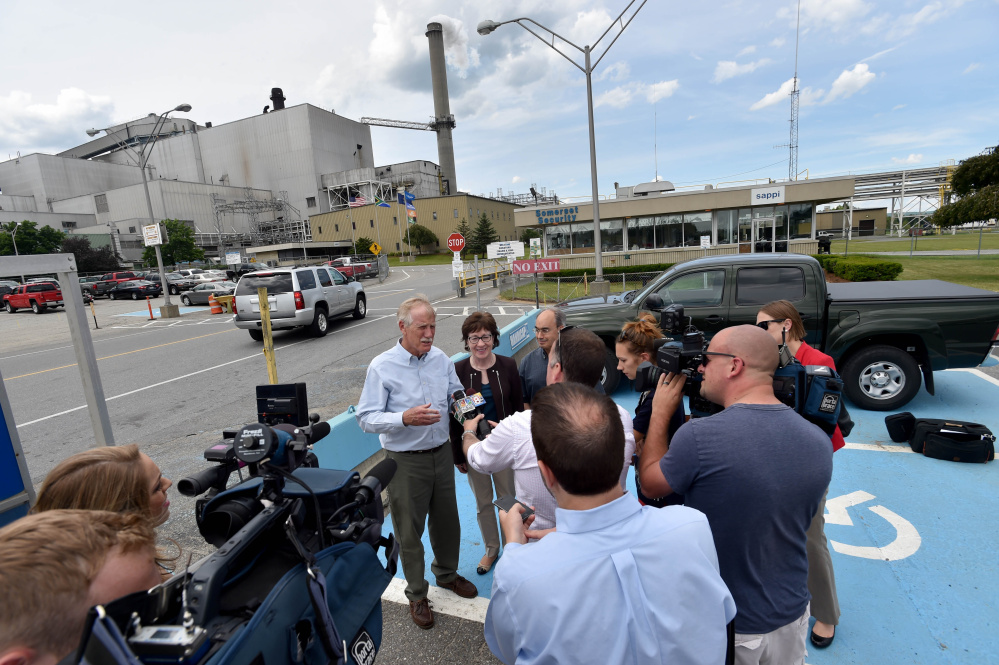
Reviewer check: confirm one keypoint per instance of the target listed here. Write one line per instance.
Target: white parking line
(444, 602)
(200, 371)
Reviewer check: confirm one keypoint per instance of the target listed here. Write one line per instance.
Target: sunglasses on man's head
(558, 342)
(765, 325)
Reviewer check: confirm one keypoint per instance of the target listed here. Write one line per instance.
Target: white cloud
(691, 117)
(834, 15)
(623, 96)
(516, 179)
(850, 82)
(906, 24)
(913, 158)
(456, 50)
(972, 67)
(746, 51)
(897, 107)
(878, 54)
(727, 69)
(775, 97)
(617, 71)
(37, 126)
(777, 42)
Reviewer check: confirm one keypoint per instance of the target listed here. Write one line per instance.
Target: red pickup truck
(353, 268)
(39, 296)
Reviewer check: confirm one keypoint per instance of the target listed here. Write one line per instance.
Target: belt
(420, 452)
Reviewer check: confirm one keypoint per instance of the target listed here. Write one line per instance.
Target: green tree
(975, 183)
(178, 247)
(483, 234)
(419, 237)
(29, 239)
(363, 245)
(465, 232)
(90, 259)
(526, 236)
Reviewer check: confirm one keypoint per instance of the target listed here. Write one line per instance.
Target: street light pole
(13, 233)
(488, 26)
(142, 158)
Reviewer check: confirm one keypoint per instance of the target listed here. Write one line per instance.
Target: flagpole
(350, 220)
(408, 241)
(378, 231)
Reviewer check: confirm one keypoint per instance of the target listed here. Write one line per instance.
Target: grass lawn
(981, 273)
(963, 240)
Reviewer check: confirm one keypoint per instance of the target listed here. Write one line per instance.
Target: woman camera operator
(117, 479)
(497, 379)
(635, 345)
(780, 318)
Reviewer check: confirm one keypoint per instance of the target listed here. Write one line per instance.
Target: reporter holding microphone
(496, 378)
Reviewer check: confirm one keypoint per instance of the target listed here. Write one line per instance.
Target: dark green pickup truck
(882, 335)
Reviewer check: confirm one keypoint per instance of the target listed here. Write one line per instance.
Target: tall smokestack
(442, 109)
(277, 98)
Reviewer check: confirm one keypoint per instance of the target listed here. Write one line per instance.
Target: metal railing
(554, 288)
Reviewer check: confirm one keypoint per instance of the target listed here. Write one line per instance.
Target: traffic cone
(216, 307)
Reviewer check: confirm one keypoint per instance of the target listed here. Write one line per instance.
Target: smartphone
(506, 503)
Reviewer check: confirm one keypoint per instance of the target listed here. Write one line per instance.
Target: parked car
(824, 234)
(237, 270)
(206, 277)
(200, 293)
(109, 280)
(176, 283)
(354, 267)
(297, 297)
(135, 289)
(886, 338)
(39, 296)
(89, 284)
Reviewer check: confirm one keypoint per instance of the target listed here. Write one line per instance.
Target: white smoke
(456, 50)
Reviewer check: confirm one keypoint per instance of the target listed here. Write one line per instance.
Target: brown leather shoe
(420, 611)
(461, 586)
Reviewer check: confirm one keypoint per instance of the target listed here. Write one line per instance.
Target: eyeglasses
(765, 325)
(481, 338)
(541, 331)
(558, 342)
(707, 355)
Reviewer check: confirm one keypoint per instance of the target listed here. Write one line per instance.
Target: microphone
(376, 480)
(462, 408)
(483, 429)
(318, 432)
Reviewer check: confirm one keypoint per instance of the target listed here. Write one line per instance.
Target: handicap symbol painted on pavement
(907, 539)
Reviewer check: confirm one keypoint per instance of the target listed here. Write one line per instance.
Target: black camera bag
(956, 440)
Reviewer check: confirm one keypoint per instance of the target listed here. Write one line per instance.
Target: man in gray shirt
(534, 366)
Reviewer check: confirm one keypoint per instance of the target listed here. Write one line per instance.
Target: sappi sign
(534, 266)
(766, 195)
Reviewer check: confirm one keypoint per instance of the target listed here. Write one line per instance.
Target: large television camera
(813, 391)
(297, 555)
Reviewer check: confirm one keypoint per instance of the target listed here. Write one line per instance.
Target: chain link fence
(553, 288)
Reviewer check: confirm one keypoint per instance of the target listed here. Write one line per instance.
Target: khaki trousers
(821, 578)
(422, 494)
(485, 512)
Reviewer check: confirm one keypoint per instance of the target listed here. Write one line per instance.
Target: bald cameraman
(758, 471)
(56, 565)
(618, 582)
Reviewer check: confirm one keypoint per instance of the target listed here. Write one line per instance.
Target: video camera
(813, 391)
(285, 513)
(677, 356)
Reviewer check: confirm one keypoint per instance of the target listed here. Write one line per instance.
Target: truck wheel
(10, 308)
(256, 335)
(611, 376)
(881, 378)
(360, 308)
(36, 307)
(320, 324)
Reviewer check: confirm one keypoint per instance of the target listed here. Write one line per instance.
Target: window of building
(611, 236)
(320, 229)
(372, 223)
(799, 219)
(69, 225)
(336, 227)
(310, 201)
(131, 229)
(397, 247)
(558, 240)
(642, 233)
(395, 222)
(727, 223)
(456, 213)
(669, 231)
(582, 237)
(435, 214)
(101, 201)
(695, 226)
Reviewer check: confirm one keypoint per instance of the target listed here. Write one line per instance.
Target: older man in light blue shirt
(617, 582)
(405, 401)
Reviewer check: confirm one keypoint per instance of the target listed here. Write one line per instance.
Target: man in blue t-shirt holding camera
(758, 471)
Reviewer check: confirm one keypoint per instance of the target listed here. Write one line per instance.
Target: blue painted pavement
(912, 538)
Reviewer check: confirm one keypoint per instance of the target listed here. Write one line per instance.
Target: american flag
(357, 201)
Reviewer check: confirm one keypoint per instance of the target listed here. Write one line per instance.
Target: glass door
(764, 234)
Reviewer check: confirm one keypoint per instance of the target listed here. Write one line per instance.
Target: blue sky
(697, 90)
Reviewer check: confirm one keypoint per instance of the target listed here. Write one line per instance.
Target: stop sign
(456, 242)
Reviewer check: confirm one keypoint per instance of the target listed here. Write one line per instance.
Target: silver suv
(297, 297)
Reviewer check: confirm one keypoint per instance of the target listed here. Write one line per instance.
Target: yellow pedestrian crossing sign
(375, 248)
